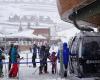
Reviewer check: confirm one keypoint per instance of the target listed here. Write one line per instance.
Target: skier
(43, 59)
(34, 50)
(14, 53)
(65, 58)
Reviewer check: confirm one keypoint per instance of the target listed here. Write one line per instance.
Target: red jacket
(53, 58)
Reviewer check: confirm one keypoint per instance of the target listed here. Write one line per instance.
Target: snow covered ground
(27, 72)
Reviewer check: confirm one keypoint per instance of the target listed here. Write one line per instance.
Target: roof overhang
(88, 11)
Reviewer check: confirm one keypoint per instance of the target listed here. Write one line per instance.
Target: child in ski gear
(53, 59)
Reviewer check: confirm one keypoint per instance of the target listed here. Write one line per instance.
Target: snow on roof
(41, 37)
(26, 34)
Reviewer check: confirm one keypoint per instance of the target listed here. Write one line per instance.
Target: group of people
(44, 54)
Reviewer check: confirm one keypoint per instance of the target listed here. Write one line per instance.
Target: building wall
(42, 31)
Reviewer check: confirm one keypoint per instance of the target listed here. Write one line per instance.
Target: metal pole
(61, 61)
(27, 59)
(5, 42)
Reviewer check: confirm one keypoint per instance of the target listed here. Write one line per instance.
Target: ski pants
(54, 67)
(43, 65)
(1, 66)
(33, 60)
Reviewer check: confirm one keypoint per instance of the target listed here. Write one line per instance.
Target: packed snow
(27, 72)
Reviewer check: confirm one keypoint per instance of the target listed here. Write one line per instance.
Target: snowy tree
(20, 27)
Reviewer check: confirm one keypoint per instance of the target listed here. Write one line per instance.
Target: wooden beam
(65, 5)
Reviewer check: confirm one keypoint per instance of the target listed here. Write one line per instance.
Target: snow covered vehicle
(85, 54)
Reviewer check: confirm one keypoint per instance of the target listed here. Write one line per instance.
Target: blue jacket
(65, 53)
(14, 55)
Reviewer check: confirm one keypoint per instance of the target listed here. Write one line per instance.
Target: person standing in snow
(41, 56)
(65, 58)
(53, 59)
(44, 54)
(14, 53)
(9, 65)
(15, 58)
(47, 54)
(1, 63)
(34, 51)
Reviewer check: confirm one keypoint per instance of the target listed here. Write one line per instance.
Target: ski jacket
(53, 58)
(14, 55)
(34, 49)
(43, 54)
(65, 54)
